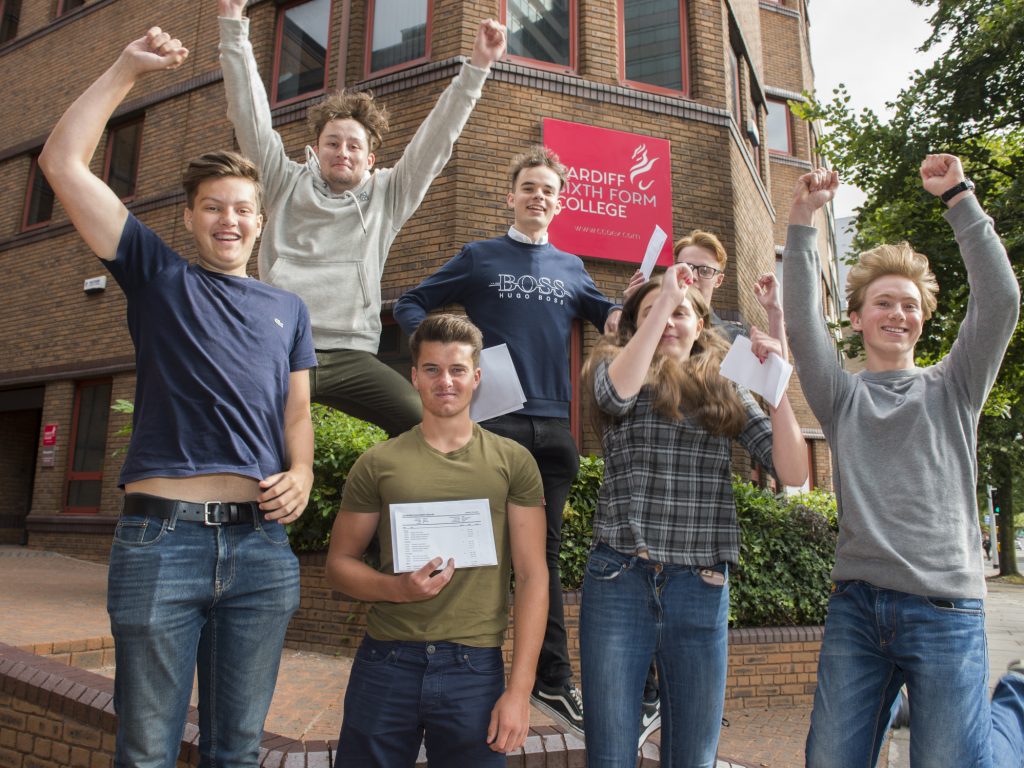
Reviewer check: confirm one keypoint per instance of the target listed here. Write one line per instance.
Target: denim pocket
(964, 605)
(483, 661)
(274, 532)
(603, 568)
(839, 588)
(139, 531)
(375, 652)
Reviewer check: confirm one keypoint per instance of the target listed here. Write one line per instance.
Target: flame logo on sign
(642, 165)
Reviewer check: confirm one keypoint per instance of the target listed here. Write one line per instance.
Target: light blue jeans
(182, 594)
(633, 609)
(878, 639)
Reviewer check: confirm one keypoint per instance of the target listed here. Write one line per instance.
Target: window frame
(371, 8)
(4, 4)
(34, 173)
(791, 151)
(684, 53)
(112, 131)
(72, 475)
(63, 10)
(574, 43)
(735, 87)
(282, 9)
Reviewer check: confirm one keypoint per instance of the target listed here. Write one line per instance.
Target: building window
(398, 34)
(88, 446)
(779, 127)
(300, 58)
(123, 142)
(735, 99)
(543, 32)
(10, 13)
(653, 49)
(67, 6)
(38, 199)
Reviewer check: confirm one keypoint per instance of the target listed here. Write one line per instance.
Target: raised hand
(813, 191)
(940, 173)
(489, 46)
(762, 345)
(635, 282)
(154, 52)
(230, 9)
(766, 290)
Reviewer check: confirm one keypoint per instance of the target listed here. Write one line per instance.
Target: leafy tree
(969, 103)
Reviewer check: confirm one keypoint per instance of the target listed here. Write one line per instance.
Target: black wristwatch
(964, 186)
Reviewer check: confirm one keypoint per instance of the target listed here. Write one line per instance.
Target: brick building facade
(710, 76)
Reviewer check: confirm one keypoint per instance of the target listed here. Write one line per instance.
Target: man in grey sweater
(331, 220)
(907, 600)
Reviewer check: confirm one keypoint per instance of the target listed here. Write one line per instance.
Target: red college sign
(619, 187)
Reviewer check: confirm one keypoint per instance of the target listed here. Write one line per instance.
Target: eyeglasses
(703, 271)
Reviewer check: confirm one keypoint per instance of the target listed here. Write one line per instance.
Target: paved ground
(49, 598)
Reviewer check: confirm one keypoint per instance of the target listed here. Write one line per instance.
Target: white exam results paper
(658, 238)
(449, 529)
(768, 379)
(500, 391)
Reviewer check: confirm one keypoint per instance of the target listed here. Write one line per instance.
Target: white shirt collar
(518, 236)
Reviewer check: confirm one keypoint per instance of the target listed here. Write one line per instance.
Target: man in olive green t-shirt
(430, 667)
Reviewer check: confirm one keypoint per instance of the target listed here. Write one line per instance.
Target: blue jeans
(633, 609)
(401, 694)
(878, 639)
(551, 444)
(182, 594)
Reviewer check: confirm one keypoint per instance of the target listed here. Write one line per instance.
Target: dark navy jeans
(401, 694)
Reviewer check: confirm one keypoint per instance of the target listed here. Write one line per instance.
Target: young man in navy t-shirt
(221, 412)
(522, 291)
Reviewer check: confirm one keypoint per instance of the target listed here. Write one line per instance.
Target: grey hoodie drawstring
(313, 163)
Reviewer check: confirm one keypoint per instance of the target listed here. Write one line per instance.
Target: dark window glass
(778, 127)
(123, 157)
(654, 43)
(85, 474)
(302, 49)
(66, 6)
(39, 201)
(540, 30)
(399, 33)
(734, 85)
(10, 13)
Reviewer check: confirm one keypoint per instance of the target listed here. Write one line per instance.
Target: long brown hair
(689, 388)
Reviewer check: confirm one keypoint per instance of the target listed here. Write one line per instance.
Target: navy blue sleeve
(445, 286)
(141, 256)
(303, 355)
(593, 305)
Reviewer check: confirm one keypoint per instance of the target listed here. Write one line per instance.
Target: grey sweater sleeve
(822, 378)
(249, 109)
(431, 146)
(993, 306)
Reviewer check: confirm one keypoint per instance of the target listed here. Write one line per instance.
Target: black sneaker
(562, 702)
(650, 720)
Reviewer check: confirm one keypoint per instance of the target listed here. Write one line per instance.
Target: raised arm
(510, 718)
(94, 208)
(248, 106)
(628, 371)
(814, 353)
(431, 146)
(766, 290)
(993, 306)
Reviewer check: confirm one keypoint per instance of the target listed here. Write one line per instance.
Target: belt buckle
(206, 514)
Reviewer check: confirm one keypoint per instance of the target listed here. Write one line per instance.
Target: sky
(871, 46)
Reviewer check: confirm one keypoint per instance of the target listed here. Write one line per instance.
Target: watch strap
(955, 190)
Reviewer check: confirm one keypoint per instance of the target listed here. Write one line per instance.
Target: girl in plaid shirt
(665, 530)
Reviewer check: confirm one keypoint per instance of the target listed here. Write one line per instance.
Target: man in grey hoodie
(331, 221)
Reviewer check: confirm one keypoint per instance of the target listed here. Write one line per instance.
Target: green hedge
(785, 558)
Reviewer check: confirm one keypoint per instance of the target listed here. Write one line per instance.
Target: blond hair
(704, 240)
(900, 260)
(691, 388)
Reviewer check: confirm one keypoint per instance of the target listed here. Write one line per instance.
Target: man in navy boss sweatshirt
(524, 292)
